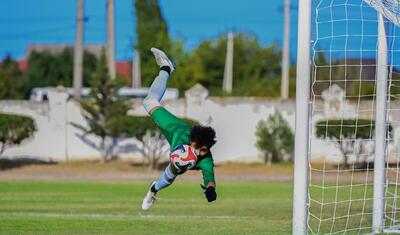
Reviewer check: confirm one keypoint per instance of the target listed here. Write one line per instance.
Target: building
(123, 68)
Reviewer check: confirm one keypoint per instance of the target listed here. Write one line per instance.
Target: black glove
(210, 193)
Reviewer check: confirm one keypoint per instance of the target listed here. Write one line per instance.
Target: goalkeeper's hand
(210, 193)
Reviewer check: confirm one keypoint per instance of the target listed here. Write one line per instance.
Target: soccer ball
(183, 157)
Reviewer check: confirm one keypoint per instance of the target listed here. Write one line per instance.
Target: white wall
(234, 120)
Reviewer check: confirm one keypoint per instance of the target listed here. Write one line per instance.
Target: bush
(352, 136)
(274, 138)
(14, 129)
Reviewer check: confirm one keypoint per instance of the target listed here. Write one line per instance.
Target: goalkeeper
(178, 133)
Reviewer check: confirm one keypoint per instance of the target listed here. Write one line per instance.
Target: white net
(392, 186)
(388, 8)
(343, 106)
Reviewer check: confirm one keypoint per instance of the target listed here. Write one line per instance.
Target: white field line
(131, 216)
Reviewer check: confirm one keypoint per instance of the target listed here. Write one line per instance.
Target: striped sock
(165, 179)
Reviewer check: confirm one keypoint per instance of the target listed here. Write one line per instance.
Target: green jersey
(178, 132)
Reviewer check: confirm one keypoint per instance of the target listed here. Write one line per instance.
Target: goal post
(347, 127)
(300, 180)
(380, 128)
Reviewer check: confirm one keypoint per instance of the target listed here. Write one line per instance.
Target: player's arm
(207, 168)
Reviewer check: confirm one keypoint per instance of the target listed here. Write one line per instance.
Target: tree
(274, 138)
(14, 129)
(151, 31)
(354, 137)
(354, 75)
(189, 70)
(90, 62)
(144, 130)
(10, 79)
(48, 69)
(256, 69)
(102, 107)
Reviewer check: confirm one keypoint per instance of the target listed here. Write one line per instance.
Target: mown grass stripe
(130, 216)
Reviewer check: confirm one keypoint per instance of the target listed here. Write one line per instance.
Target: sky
(24, 22)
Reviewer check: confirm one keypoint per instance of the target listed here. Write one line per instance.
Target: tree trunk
(343, 150)
(155, 162)
(103, 150)
(150, 165)
(267, 158)
(275, 156)
(2, 148)
(114, 155)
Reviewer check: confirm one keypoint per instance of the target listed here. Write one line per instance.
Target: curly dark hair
(203, 135)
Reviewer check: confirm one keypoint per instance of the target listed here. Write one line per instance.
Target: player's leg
(151, 102)
(165, 180)
(159, 85)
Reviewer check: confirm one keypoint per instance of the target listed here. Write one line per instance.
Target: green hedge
(14, 129)
(347, 128)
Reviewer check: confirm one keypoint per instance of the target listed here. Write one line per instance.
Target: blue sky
(53, 21)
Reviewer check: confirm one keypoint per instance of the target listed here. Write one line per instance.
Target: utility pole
(228, 73)
(286, 52)
(78, 51)
(110, 38)
(136, 73)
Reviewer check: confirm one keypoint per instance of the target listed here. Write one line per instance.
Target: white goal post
(300, 180)
(347, 133)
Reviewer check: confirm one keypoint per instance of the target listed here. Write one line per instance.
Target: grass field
(114, 208)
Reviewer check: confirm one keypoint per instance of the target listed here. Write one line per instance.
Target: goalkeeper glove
(210, 193)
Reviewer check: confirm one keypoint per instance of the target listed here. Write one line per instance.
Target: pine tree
(151, 31)
(102, 106)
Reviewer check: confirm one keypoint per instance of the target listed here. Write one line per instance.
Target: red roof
(22, 65)
(124, 69)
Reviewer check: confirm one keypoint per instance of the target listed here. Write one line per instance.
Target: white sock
(156, 91)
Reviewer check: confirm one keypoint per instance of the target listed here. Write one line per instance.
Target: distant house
(123, 68)
(58, 48)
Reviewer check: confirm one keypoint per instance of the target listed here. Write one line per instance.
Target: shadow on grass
(10, 163)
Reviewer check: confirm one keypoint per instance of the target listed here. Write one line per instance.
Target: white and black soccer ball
(183, 157)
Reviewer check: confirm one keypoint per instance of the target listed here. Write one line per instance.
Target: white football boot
(162, 59)
(149, 199)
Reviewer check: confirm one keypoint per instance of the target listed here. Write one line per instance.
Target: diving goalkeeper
(198, 139)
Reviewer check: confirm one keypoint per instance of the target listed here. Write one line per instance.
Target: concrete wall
(234, 120)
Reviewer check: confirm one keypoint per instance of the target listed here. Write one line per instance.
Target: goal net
(343, 117)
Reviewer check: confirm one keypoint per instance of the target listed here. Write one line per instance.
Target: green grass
(114, 208)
